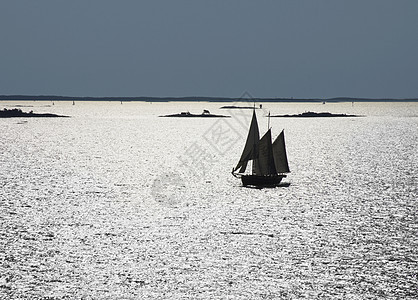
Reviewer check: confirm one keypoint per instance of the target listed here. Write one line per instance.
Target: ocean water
(117, 203)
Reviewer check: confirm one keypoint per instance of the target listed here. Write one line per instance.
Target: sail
(250, 149)
(279, 154)
(264, 164)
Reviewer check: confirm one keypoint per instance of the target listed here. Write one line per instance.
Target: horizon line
(196, 99)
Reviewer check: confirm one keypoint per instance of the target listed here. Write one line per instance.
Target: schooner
(269, 160)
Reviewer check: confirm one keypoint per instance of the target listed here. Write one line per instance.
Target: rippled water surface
(117, 203)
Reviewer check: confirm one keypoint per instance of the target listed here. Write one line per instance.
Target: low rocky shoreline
(18, 113)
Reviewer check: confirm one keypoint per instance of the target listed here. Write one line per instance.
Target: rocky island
(241, 107)
(204, 114)
(18, 113)
(310, 114)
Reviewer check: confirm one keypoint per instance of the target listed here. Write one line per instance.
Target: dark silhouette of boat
(269, 160)
(204, 114)
(18, 113)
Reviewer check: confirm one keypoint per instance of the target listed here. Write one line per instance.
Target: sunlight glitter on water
(100, 206)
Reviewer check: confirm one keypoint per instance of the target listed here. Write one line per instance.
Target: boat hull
(261, 181)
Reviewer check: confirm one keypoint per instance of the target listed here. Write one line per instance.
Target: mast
(268, 124)
(256, 137)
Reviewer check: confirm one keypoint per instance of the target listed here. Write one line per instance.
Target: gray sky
(282, 48)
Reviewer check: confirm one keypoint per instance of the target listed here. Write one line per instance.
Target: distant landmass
(240, 107)
(310, 114)
(195, 99)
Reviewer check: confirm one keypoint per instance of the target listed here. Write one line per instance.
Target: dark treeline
(195, 99)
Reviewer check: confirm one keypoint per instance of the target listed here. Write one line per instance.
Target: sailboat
(269, 160)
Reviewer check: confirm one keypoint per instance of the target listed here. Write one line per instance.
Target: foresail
(250, 149)
(243, 166)
(279, 154)
(264, 164)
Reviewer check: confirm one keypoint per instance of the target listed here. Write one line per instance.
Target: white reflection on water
(86, 210)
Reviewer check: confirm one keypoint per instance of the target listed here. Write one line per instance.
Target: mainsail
(251, 146)
(264, 164)
(279, 154)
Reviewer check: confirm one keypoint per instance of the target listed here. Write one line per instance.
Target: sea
(116, 202)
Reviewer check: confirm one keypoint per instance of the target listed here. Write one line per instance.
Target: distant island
(186, 114)
(195, 99)
(240, 107)
(18, 113)
(310, 114)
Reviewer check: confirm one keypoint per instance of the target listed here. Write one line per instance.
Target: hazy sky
(281, 48)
